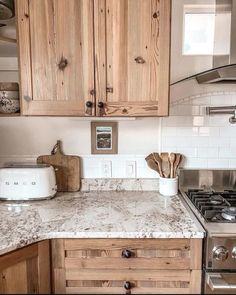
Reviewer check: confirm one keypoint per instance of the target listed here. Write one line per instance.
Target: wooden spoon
(158, 160)
(178, 159)
(171, 161)
(152, 164)
(165, 164)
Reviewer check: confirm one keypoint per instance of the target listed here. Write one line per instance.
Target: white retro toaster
(27, 182)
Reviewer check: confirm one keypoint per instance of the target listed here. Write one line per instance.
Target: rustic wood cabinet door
(132, 40)
(56, 56)
(26, 271)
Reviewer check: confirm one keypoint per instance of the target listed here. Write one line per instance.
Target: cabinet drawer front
(141, 282)
(150, 266)
(127, 254)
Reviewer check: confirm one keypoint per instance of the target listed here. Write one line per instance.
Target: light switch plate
(130, 169)
(106, 167)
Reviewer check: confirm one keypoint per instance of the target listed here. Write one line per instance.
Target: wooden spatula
(165, 164)
(178, 159)
(152, 163)
(172, 161)
(158, 160)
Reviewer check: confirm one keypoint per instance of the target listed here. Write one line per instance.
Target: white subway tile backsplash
(195, 163)
(232, 163)
(232, 142)
(208, 153)
(201, 100)
(206, 141)
(219, 121)
(221, 100)
(228, 131)
(188, 152)
(209, 131)
(217, 141)
(227, 152)
(218, 163)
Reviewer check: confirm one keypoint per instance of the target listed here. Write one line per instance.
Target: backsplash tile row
(206, 141)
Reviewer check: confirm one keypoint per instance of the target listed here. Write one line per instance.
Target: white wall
(23, 139)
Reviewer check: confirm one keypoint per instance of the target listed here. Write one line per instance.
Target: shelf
(7, 39)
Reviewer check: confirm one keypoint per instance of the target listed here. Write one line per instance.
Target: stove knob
(234, 253)
(220, 253)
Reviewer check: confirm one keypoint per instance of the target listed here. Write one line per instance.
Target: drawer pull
(127, 285)
(127, 253)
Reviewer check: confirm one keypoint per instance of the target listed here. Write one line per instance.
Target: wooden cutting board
(67, 169)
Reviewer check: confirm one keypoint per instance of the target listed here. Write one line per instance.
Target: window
(199, 34)
(206, 32)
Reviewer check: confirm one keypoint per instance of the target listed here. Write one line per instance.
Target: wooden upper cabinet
(132, 41)
(56, 56)
(78, 54)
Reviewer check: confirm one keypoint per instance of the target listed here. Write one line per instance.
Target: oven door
(220, 283)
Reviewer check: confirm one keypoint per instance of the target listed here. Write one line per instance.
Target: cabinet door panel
(137, 56)
(26, 271)
(56, 56)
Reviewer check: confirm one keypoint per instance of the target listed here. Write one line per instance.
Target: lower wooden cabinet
(26, 271)
(127, 266)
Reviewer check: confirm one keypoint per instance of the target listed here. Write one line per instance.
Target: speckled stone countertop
(95, 215)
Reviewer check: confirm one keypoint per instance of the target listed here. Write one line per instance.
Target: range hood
(224, 65)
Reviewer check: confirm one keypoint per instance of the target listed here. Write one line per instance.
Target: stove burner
(229, 213)
(214, 206)
(216, 200)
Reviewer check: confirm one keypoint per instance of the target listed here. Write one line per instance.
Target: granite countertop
(95, 215)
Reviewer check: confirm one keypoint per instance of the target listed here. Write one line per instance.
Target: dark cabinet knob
(89, 104)
(127, 285)
(126, 253)
(100, 104)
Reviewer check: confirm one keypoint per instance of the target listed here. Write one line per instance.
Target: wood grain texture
(50, 36)
(26, 271)
(44, 265)
(96, 266)
(119, 244)
(24, 52)
(15, 279)
(58, 266)
(134, 29)
(100, 50)
(67, 169)
(131, 263)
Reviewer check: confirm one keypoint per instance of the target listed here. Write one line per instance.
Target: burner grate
(214, 206)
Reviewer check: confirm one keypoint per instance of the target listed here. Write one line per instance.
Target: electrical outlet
(106, 169)
(130, 169)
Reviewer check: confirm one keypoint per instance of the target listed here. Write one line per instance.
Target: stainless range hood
(225, 74)
(224, 65)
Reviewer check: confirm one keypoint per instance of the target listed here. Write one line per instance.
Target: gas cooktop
(214, 206)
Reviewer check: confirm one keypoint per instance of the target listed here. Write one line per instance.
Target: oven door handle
(216, 282)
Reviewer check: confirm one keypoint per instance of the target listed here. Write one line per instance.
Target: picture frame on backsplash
(104, 137)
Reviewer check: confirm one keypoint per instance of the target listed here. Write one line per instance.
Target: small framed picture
(104, 138)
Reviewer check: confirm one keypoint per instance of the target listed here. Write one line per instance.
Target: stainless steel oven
(211, 195)
(220, 283)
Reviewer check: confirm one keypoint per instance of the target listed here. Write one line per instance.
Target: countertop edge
(102, 235)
